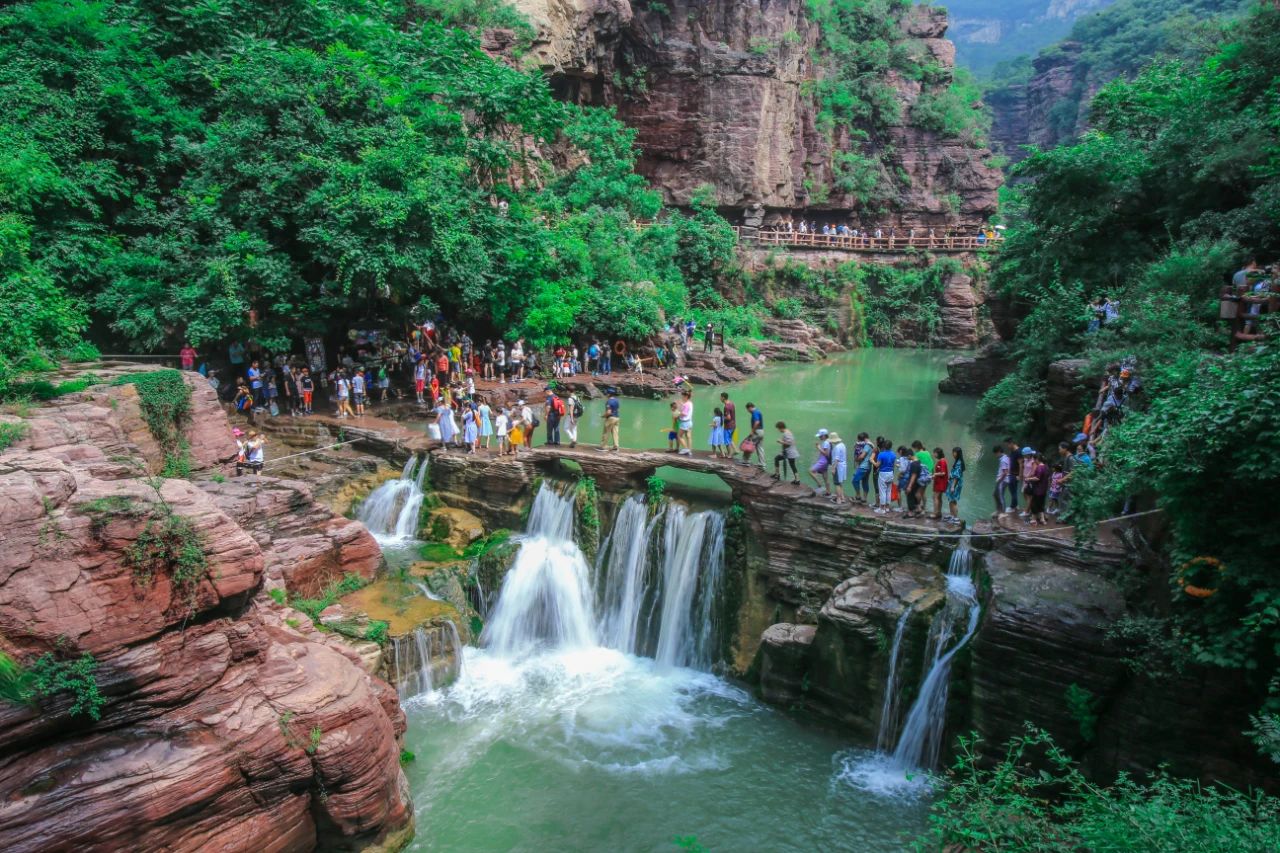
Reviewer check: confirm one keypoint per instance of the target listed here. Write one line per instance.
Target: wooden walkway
(900, 243)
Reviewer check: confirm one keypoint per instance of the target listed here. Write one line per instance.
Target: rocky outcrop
(721, 94)
(784, 653)
(219, 725)
(975, 374)
(1070, 390)
(1048, 109)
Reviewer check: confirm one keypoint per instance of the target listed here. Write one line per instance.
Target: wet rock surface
(222, 725)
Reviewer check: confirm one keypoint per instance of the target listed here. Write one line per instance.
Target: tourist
(673, 434)
(528, 422)
(606, 358)
(716, 439)
(187, 355)
(516, 359)
(554, 411)
(384, 383)
(917, 476)
(420, 379)
(573, 411)
(1026, 467)
(1055, 489)
(485, 415)
(751, 444)
(470, 428)
(500, 361)
(243, 401)
(344, 393)
(863, 461)
(593, 357)
(685, 425)
(502, 427)
(307, 387)
(903, 470)
(818, 470)
(256, 386)
(730, 421)
(255, 451)
(708, 337)
(444, 417)
(1066, 464)
(787, 454)
(941, 479)
(1011, 480)
(839, 467)
(955, 484)
(236, 355)
(609, 434)
(357, 392)
(1037, 481)
(517, 436)
(272, 393)
(885, 464)
(486, 360)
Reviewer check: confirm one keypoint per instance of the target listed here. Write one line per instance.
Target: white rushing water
(920, 743)
(627, 549)
(391, 510)
(889, 705)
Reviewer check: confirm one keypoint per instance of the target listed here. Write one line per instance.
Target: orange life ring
(619, 347)
(1194, 590)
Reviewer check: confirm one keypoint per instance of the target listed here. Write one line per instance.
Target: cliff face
(721, 94)
(1048, 109)
(222, 725)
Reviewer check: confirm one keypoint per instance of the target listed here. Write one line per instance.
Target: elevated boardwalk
(945, 244)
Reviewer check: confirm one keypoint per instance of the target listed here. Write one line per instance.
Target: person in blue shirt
(885, 459)
(611, 420)
(255, 385)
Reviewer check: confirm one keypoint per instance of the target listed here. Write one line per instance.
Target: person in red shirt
(188, 356)
(940, 477)
(442, 368)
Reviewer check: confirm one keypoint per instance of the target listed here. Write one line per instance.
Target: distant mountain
(1045, 100)
(990, 31)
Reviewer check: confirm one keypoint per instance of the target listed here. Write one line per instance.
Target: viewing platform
(863, 244)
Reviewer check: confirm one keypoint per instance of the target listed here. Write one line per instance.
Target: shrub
(48, 677)
(11, 433)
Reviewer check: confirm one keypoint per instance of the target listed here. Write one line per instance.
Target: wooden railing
(898, 243)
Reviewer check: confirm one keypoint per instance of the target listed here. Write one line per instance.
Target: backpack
(577, 408)
(557, 405)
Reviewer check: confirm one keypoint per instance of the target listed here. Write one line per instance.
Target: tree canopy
(172, 166)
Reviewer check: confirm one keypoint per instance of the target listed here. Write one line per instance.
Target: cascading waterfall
(391, 510)
(658, 579)
(624, 575)
(889, 706)
(921, 740)
(545, 599)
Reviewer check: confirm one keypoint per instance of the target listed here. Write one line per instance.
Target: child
(357, 392)
(420, 379)
(673, 434)
(1055, 488)
(516, 436)
(902, 466)
(717, 434)
(501, 428)
(308, 387)
(384, 383)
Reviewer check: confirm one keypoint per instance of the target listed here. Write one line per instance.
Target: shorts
(939, 486)
(359, 399)
(819, 467)
(840, 474)
(306, 399)
(419, 385)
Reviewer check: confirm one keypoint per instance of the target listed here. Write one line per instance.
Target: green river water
(889, 392)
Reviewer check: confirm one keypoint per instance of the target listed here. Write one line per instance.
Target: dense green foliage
(1037, 799)
(47, 677)
(1117, 42)
(177, 166)
(864, 45)
(1179, 183)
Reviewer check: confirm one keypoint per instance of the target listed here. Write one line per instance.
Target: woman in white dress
(570, 423)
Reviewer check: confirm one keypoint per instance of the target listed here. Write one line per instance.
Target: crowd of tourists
(854, 233)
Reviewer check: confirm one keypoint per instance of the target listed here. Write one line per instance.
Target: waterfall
(425, 590)
(624, 575)
(889, 706)
(681, 642)
(412, 657)
(545, 599)
(658, 582)
(921, 740)
(415, 657)
(391, 510)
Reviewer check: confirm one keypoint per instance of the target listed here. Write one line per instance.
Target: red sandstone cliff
(223, 727)
(720, 93)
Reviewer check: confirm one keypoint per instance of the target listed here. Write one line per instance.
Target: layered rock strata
(221, 726)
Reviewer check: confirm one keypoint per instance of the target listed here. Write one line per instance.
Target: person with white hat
(839, 467)
(822, 463)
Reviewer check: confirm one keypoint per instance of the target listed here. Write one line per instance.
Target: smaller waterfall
(419, 659)
(391, 510)
(425, 590)
(624, 574)
(412, 656)
(921, 740)
(692, 562)
(889, 706)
